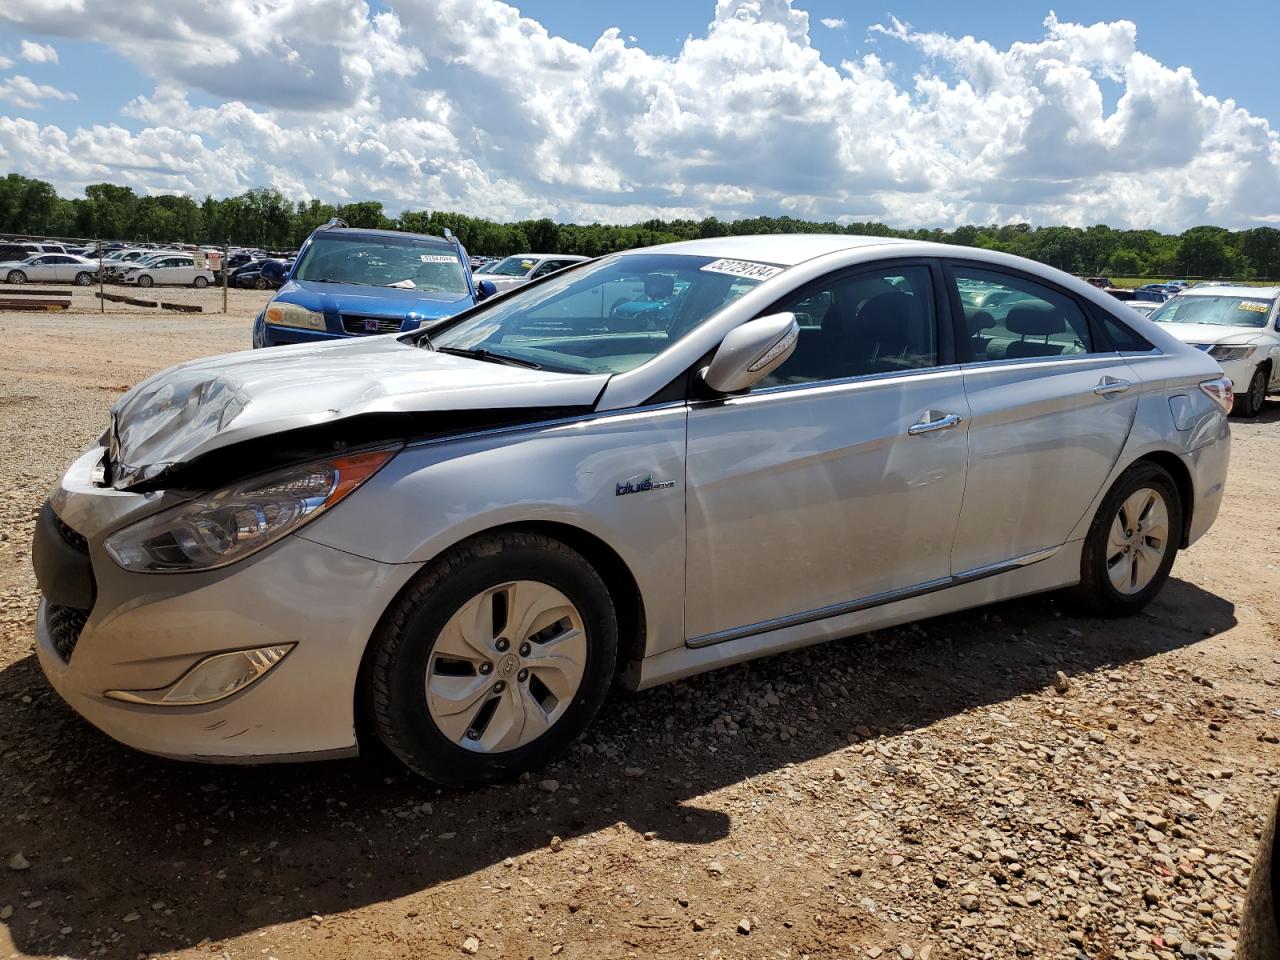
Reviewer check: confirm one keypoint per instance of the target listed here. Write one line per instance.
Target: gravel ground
(1010, 782)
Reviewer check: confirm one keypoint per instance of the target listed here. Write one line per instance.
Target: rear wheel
(1249, 403)
(201, 283)
(16, 276)
(1131, 543)
(494, 660)
(260, 283)
(83, 279)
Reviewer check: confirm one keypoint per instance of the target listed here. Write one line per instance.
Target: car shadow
(141, 855)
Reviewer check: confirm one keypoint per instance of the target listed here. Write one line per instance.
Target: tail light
(1219, 391)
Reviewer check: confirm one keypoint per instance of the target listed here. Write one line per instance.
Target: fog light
(213, 678)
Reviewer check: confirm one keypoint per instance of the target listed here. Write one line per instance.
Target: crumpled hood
(336, 298)
(1214, 333)
(201, 406)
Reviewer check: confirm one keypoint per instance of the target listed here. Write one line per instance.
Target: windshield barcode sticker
(743, 268)
(437, 258)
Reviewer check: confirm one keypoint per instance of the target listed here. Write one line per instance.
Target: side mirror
(751, 352)
(485, 289)
(274, 271)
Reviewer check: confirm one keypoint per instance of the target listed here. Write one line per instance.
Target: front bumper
(143, 631)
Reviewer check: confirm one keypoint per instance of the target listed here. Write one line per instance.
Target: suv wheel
(493, 660)
(1249, 403)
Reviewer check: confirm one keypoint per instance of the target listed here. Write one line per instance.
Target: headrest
(1040, 320)
(890, 311)
(978, 319)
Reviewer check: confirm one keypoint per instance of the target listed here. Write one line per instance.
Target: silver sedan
(51, 268)
(665, 461)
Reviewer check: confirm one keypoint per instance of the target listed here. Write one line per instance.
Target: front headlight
(227, 525)
(292, 315)
(1225, 352)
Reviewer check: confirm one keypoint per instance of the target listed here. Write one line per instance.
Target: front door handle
(929, 426)
(1109, 385)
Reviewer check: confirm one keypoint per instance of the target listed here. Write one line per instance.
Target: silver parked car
(523, 267)
(664, 461)
(51, 268)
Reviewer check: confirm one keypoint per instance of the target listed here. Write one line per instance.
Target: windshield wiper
(480, 353)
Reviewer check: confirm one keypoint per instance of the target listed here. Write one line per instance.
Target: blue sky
(733, 108)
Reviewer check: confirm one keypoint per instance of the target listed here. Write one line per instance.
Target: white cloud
(834, 23)
(25, 93)
(467, 105)
(38, 52)
(6, 63)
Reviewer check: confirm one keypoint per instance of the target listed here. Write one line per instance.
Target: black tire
(401, 646)
(201, 283)
(1095, 592)
(16, 276)
(84, 279)
(260, 283)
(1249, 403)
(145, 281)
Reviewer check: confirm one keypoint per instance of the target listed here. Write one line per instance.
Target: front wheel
(84, 279)
(16, 276)
(1132, 542)
(494, 660)
(201, 283)
(1249, 403)
(145, 281)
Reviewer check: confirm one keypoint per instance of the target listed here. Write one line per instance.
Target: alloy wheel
(506, 666)
(1138, 541)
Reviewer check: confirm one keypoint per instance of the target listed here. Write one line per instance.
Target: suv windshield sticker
(1253, 305)
(437, 258)
(743, 268)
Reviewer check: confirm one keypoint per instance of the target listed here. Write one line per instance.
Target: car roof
(784, 249)
(1238, 290)
(370, 233)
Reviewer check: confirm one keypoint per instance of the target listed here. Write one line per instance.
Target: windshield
(608, 317)
(407, 262)
(513, 267)
(1218, 311)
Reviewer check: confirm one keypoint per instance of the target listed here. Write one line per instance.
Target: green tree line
(267, 218)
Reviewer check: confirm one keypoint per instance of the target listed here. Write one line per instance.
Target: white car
(174, 269)
(51, 268)
(523, 267)
(1240, 328)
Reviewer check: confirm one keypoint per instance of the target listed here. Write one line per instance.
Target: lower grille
(358, 325)
(65, 624)
(76, 540)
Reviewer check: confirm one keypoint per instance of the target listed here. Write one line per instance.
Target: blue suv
(351, 282)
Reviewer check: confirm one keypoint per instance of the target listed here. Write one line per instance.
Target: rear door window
(1009, 316)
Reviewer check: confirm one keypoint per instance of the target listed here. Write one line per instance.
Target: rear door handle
(929, 426)
(1109, 385)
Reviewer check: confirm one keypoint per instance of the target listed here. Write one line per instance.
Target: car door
(1052, 406)
(837, 480)
(64, 267)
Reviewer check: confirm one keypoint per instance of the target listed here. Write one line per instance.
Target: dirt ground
(921, 792)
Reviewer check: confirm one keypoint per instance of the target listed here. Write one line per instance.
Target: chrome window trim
(1080, 359)
(866, 603)
(820, 386)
